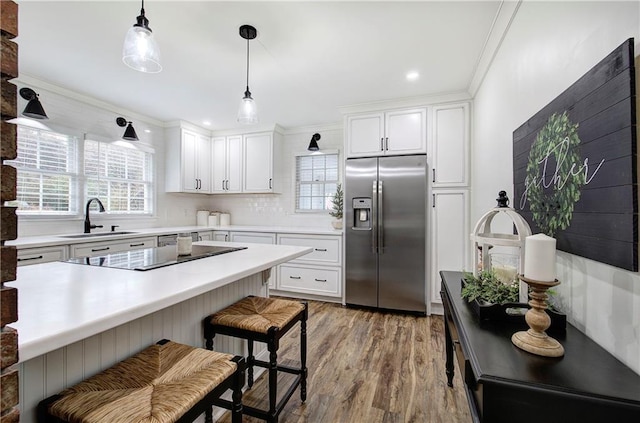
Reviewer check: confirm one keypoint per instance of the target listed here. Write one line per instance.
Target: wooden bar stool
(264, 320)
(165, 383)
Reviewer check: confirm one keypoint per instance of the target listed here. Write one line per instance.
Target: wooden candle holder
(535, 340)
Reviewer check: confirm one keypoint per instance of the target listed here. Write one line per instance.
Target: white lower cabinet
(449, 235)
(307, 279)
(107, 247)
(205, 236)
(257, 238)
(221, 236)
(318, 273)
(29, 256)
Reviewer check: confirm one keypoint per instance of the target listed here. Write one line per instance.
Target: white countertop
(52, 240)
(61, 303)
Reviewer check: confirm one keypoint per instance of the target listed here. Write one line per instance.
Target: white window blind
(47, 172)
(121, 177)
(316, 181)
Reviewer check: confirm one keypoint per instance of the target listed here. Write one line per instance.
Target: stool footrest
(279, 368)
(265, 415)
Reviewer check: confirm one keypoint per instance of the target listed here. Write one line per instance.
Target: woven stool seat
(264, 320)
(258, 314)
(158, 385)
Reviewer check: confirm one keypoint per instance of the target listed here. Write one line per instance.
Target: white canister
(183, 242)
(214, 219)
(201, 217)
(225, 219)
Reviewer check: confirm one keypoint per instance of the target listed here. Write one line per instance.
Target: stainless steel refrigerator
(385, 230)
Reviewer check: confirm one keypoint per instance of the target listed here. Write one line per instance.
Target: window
(55, 169)
(120, 176)
(316, 181)
(47, 172)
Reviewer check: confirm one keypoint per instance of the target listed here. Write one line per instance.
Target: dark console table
(506, 384)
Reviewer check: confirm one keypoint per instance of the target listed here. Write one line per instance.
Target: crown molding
(499, 28)
(25, 79)
(403, 103)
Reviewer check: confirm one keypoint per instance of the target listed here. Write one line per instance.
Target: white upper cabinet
(260, 159)
(450, 147)
(188, 162)
(226, 163)
(387, 133)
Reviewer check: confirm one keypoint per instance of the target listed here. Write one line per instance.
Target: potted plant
(492, 299)
(337, 207)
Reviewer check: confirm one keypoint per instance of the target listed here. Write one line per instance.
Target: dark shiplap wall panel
(604, 224)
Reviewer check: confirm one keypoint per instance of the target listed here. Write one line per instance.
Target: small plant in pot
(487, 289)
(337, 207)
(492, 299)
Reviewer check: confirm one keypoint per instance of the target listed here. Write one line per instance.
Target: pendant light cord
(247, 64)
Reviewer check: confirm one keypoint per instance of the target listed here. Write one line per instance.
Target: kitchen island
(75, 319)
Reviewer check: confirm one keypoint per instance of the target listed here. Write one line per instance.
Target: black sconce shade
(34, 108)
(313, 145)
(129, 133)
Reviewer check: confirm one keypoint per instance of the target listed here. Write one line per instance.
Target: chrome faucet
(87, 223)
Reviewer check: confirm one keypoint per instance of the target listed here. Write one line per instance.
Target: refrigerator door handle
(380, 219)
(374, 214)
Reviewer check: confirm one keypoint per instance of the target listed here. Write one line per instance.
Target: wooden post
(9, 411)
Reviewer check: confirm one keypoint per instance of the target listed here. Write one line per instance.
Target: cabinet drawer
(310, 280)
(253, 237)
(108, 247)
(326, 249)
(29, 256)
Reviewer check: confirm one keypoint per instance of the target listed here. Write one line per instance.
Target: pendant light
(140, 50)
(248, 112)
(34, 108)
(313, 145)
(129, 133)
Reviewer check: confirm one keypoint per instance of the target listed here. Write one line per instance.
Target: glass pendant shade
(248, 111)
(140, 50)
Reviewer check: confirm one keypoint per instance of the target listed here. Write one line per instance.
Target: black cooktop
(152, 258)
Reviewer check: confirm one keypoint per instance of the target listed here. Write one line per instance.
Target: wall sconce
(34, 108)
(313, 145)
(129, 133)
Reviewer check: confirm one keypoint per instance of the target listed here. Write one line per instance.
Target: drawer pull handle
(295, 277)
(136, 245)
(31, 258)
(320, 280)
(320, 249)
(93, 250)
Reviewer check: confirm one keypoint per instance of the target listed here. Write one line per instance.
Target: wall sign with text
(575, 165)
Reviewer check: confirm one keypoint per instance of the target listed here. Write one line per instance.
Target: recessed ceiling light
(148, 131)
(412, 76)
(206, 122)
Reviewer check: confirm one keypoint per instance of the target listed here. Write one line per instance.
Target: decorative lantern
(502, 253)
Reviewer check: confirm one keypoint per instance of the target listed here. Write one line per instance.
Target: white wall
(70, 111)
(548, 46)
(86, 115)
(279, 209)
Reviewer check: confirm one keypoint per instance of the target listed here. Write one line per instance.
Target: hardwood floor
(368, 367)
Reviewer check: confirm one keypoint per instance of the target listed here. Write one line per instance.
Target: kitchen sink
(97, 234)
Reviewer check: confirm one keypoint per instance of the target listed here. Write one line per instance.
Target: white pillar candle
(540, 258)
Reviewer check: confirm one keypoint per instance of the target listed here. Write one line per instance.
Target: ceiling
(309, 58)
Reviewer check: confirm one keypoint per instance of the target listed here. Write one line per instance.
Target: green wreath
(553, 209)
